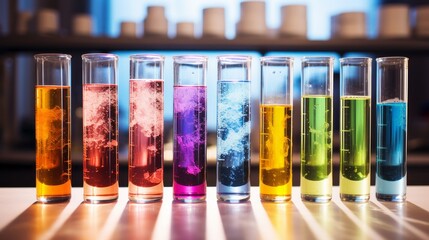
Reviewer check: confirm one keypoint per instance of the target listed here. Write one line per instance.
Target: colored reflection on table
(239, 221)
(137, 221)
(37, 220)
(188, 221)
(88, 219)
(287, 221)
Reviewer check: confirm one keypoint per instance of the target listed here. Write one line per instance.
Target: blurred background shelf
(35, 43)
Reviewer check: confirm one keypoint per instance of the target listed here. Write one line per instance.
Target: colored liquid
(275, 177)
(316, 191)
(233, 137)
(316, 144)
(146, 127)
(391, 145)
(53, 160)
(355, 157)
(190, 144)
(354, 191)
(100, 135)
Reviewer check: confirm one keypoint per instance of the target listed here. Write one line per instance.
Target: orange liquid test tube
(52, 115)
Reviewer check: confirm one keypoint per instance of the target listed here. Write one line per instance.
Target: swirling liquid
(355, 145)
(146, 148)
(189, 136)
(100, 136)
(53, 160)
(275, 176)
(391, 148)
(316, 146)
(233, 137)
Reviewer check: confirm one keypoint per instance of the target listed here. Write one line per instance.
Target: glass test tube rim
(52, 56)
(234, 61)
(56, 58)
(147, 57)
(317, 59)
(392, 59)
(191, 59)
(99, 57)
(276, 60)
(194, 61)
(234, 58)
(356, 60)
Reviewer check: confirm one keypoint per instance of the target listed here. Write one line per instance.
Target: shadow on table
(188, 221)
(417, 218)
(86, 222)
(287, 221)
(329, 220)
(377, 222)
(238, 220)
(37, 221)
(137, 221)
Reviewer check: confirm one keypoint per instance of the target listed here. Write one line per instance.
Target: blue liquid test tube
(392, 98)
(233, 128)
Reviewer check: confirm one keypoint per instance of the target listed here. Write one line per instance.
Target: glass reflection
(188, 221)
(88, 219)
(37, 221)
(137, 221)
(238, 221)
(287, 221)
(333, 220)
(408, 218)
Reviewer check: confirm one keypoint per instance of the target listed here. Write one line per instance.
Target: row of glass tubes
(100, 128)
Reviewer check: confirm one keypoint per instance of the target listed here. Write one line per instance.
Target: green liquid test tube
(316, 129)
(355, 129)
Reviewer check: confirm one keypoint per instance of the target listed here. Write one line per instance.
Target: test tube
(233, 128)
(146, 128)
(100, 127)
(392, 101)
(316, 129)
(189, 128)
(355, 129)
(53, 131)
(275, 152)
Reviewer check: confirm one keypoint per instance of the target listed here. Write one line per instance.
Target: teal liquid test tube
(392, 104)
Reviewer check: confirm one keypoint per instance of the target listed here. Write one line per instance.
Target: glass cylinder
(146, 128)
(355, 129)
(275, 151)
(316, 128)
(189, 128)
(233, 128)
(392, 103)
(53, 130)
(100, 127)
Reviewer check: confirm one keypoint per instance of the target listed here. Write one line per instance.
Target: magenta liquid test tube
(189, 128)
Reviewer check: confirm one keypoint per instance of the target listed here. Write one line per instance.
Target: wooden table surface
(22, 218)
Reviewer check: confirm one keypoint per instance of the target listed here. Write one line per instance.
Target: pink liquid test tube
(100, 127)
(146, 128)
(189, 129)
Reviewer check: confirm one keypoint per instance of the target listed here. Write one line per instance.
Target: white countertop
(22, 218)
